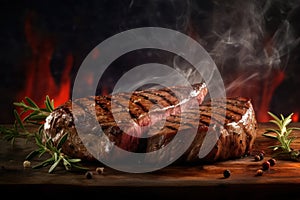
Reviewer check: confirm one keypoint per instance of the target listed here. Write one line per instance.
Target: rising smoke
(251, 43)
(246, 34)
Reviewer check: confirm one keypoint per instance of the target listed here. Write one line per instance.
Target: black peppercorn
(266, 165)
(89, 175)
(263, 152)
(261, 155)
(272, 161)
(226, 173)
(259, 172)
(257, 158)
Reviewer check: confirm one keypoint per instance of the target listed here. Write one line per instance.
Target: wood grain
(174, 181)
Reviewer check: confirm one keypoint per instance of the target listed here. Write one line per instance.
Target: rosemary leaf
(49, 104)
(32, 154)
(74, 160)
(66, 163)
(31, 113)
(62, 140)
(44, 163)
(276, 119)
(54, 165)
(282, 135)
(31, 102)
(80, 167)
(269, 136)
(55, 155)
(18, 118)
(36, 117)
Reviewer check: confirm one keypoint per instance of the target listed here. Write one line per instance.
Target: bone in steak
(132, 116)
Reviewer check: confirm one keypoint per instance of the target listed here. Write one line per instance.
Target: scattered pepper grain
(89, 175)
(272, 161)
(261, 155)
(265, 165)
(26, 164)
(259, 172)
(257, 158)
(226, 173)
(100, 170)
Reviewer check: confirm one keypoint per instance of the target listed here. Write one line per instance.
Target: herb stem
(35, 115)
(282, 135)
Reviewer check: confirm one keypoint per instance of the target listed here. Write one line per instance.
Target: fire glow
(262, 62)
(39, 80)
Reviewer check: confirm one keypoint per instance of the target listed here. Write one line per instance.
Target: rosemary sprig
(282, 135)
(57, 157)
(31, 113)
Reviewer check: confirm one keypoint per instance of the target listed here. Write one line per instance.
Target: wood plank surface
(173, 182)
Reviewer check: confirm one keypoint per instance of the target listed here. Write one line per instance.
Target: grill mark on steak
(169, 92)
(161, 97)
(232, 105)
(191, 123)
(172, 128)
(191, 115)
(135, 99)
(173, 121)
(134, 115)
(141, 102)
(238, 108)
(122, 101)
(103, 105)
(236, 136)
(152, 101)
(164, 97)
(233, 111)
(62, 118)
(218, 110)
(82, 106)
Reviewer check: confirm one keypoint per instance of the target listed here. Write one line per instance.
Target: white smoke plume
(250, 42)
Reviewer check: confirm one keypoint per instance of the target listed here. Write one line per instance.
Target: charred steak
(229, 124)
(131, 118)
(232, 133)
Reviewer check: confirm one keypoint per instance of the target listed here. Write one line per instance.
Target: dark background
(78, 26)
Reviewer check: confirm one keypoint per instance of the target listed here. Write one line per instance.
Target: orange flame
(295, 117)
(268, 89)
(260, 91)
(39, 80)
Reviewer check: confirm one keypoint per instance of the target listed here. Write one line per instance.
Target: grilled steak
(125, 119)
(229, 124)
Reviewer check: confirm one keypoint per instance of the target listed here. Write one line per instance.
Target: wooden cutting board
(173, 182)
